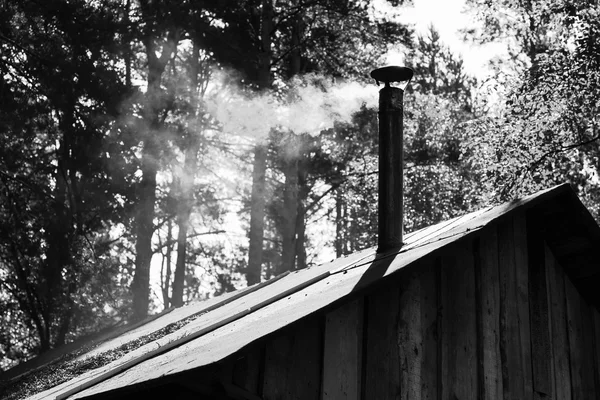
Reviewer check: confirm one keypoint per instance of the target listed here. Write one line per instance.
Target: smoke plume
(307, 104)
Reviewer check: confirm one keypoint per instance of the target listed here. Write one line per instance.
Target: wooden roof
(221, 326)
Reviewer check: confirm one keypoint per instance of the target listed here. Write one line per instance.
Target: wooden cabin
(501, 303)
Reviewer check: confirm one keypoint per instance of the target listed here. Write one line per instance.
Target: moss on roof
(71, 365)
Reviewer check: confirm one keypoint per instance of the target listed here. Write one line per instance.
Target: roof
(206, 332)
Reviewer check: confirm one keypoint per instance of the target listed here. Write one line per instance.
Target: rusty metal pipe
(391, 192)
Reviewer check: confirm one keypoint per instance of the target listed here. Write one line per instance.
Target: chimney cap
(392, 73)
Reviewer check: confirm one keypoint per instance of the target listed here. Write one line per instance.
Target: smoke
(308, 104)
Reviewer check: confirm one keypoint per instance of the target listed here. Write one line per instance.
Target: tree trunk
(29, 303)
(146, 195)
(292, 154)
(183, 216)
(339, 223)
(65, 320)
(257, 200)
(301, 215)
(58, 255)
(257, 215)
(300, 237)
(290, 211)
(144, 229)
(351, 243)
(167, 260)
(185, 204)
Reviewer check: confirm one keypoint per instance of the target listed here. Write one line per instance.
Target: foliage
(527, 28)
(57, 196)
(547, 132)
(439, 72)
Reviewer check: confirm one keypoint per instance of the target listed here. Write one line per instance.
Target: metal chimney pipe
(391, 180)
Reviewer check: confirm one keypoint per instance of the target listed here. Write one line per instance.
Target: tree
(199, 76)
(528, 28)
(547, 130)
(437, 71)
(57, 195)
(160, 36)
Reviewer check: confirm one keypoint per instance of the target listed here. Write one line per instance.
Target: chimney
(391, 191)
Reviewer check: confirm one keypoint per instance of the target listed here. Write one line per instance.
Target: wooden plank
(558, 328)
(247, 369)
(342, 358)
(401, 351)
(538, 307)
(381, 352)
(401, 338)
(581, 344)
(429, 322)
(444, 318)
(515, 349)
(587, 351)
(522, 275)
(596, 322)
(410, 340)
(575, 336)
(509, 347)
(488, 297)
(293, 363)
(459, 348)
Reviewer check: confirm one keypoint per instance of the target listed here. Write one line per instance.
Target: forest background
(154, 153)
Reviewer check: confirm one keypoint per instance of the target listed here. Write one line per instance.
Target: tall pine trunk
(292, 154)
(146, 194)
(340, 208)
(290, 209)
(257, 215)
(257, 200)
(301, 214)
(185, 204)
(183, 217)
(58, 256)
(166, 277)
(144, 223)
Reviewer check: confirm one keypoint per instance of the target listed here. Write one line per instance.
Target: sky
(448, 17)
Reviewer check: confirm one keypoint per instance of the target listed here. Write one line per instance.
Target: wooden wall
(492, 317)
